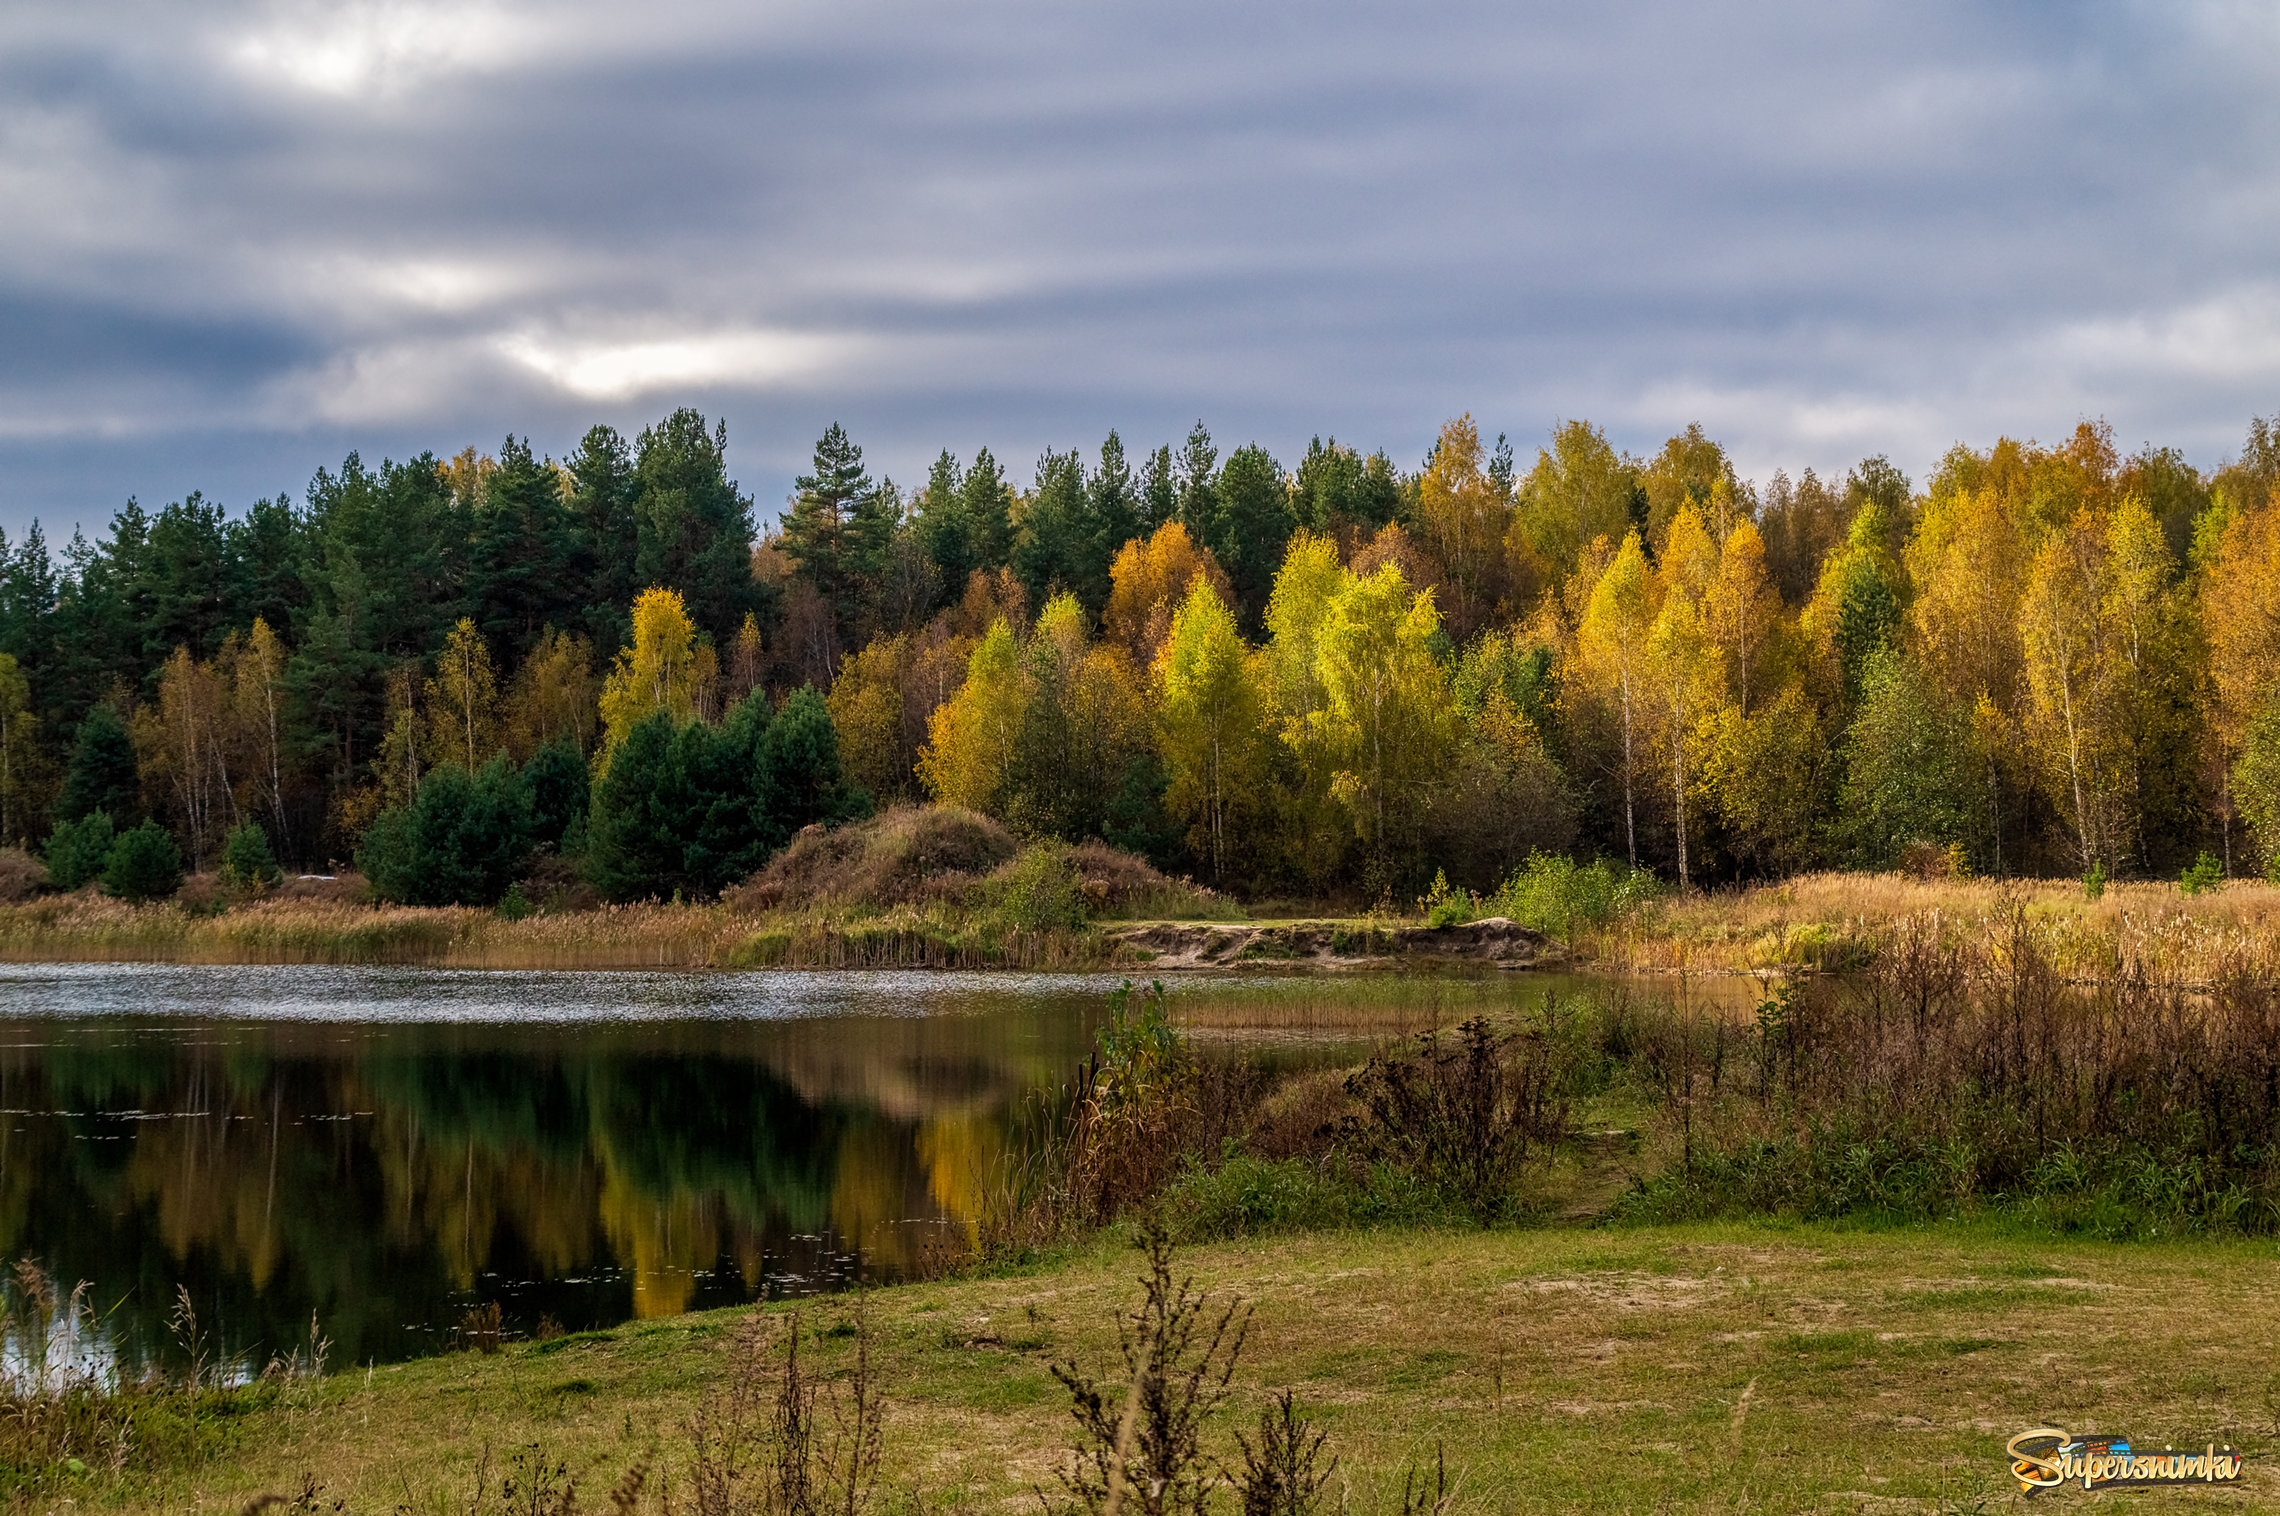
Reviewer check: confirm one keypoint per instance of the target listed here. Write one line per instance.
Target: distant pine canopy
(1328, 681)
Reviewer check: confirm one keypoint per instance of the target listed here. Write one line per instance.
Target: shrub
(2205, 875)
(462, 841)
(21, 875)
(1040, 891)
(248, 867)
(2094, 881)
(76, 850)
(1558, 896)
(143, 864)
(1443, 906)
(1463, 1117)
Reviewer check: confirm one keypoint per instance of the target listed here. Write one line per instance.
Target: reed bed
(1840, 922)
(91, 928)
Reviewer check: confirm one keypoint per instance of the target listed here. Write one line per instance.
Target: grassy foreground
(1699, 1367)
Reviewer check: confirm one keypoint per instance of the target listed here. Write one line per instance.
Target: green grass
(1778, 1367)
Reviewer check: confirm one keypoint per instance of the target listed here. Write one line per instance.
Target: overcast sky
(237, 240)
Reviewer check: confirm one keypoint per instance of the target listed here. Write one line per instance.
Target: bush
(462, 841)
(248, 867)
(143, 864)
(21, 875)
(2094, 881)
(1040, 891)
(2205, 875)
(1558, 896)
(1443, 906)
(76, 850)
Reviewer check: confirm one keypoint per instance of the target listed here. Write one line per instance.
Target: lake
(383, 1148)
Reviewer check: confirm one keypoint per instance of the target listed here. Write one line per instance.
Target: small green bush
(2094, 881)
(1040, 890)
(76, 850)
(1443, 906)
(2205, 875)
(1557, 896)
(248, 867)
(143, 864)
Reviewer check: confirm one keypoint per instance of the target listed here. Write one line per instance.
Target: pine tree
(102, 774)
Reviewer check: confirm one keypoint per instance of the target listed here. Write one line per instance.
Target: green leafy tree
(1909, 772)
(143, 864)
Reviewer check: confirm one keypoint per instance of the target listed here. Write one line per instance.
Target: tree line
(1328, 679)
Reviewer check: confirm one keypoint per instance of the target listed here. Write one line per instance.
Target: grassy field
(1686, 1368)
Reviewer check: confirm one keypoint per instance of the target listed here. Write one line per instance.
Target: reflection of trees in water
(241, 1178)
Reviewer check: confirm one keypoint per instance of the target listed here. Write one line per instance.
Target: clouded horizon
(243, 239)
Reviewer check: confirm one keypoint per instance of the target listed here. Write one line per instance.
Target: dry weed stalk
(1179, 1361)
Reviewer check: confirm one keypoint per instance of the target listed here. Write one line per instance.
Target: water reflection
(381, 1147)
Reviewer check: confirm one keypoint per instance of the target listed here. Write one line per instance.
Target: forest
(1329, 682)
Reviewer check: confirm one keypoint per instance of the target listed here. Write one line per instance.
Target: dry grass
(1689, 1368)
(86, 927)
(1838, 921)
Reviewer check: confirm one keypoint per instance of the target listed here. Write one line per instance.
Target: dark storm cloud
(244, 239)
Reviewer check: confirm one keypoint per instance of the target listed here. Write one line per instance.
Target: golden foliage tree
(1741, 611)
(969, 755)
(1611, 662)
(657, 673)
(1213, 723)
(1149, 581)
(1463, 518)
(462, 701)
(553, 695)
(1387, 721)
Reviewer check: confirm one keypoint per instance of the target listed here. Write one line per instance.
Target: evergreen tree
(605, 536)
(1114, 504)
(77, 850)
(1159, 493)
(247, 864)
(941, 525)
(102, 774)
(556, 793)
(143, 864)
(693, 530)
(1255, 524)
(799, 773)
(987, 507)
(461, 841)
(838, 530)
(633, 835)
(519, 578)
(1055, 546)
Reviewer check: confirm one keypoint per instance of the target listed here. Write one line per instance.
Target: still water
(384, 1148)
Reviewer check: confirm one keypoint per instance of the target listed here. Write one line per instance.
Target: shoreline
(1826, 923)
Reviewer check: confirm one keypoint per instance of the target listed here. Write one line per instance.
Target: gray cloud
(242, 239)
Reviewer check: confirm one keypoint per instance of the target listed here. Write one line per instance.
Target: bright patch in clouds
(711, 360)
(374, 48)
